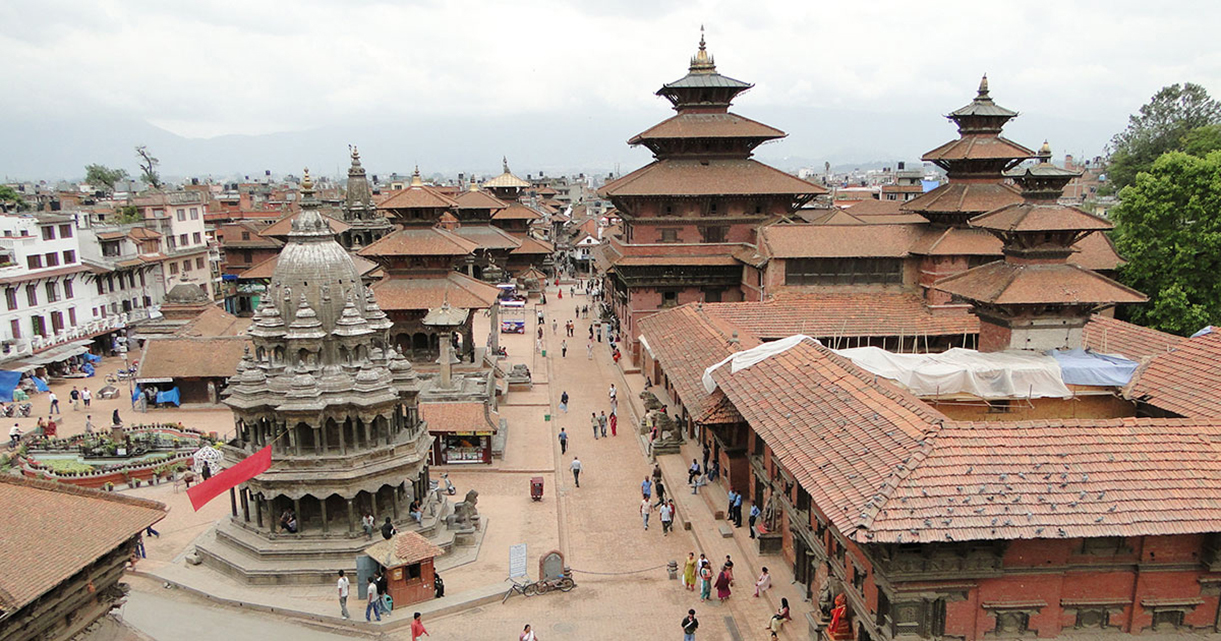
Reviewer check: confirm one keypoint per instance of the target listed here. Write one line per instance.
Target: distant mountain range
(40, 148)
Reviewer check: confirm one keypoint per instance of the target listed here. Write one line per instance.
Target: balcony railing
(87, 330)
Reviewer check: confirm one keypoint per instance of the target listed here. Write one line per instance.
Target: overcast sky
(452, 84)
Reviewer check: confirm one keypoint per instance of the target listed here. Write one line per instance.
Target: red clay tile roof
(964, 197)
(1060, 478)
(956, 241)
(45, 273)
(406, 548)
(1029, 216)
(488, 237)
(902, 189)
(459, 290)
(532, 246)
(211, 357)
(843, 434)
(282, 227)
(112, 235)
(1005, 283)
(837, 241)
(479, 200)
(426, 241)
(686, 340)
(872, 207)
(1096, 252)
(141, 233)
(1185, 380)
(978, 146)
(1113, 336)
(417, 197)
(844, 314)
(517, 211)
(716, 125)
(54, 530)
(685, 177)
(214, 321)
(465, 416)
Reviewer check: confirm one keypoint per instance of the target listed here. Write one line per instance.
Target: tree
(1202, 140)
(148, 167)
(10, 200)
(103, 176)
(1160, 127)
(1168, 226)
(127, 214)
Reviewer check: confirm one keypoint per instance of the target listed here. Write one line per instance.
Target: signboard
(517, 561)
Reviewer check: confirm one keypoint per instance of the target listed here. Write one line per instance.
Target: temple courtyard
(623, 587)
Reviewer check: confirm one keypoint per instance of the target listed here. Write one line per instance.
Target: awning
(60, 353)
(154, 380)
(645, 344)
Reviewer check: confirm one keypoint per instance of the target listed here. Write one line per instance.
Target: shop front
(463, 432)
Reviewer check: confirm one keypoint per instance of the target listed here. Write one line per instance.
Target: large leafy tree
(10, 199)
(103, 176)
(1168, 226)
(1161, 125)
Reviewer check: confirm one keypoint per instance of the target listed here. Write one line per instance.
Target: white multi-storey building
(179, 217)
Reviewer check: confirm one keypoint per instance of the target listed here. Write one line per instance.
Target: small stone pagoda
(367, 223)
(1034, 298)
(338, 407)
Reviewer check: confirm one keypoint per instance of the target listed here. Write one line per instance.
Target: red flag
(250, 467)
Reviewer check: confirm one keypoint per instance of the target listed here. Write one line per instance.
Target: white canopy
(965, 371)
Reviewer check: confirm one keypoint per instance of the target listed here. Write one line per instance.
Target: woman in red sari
(723, 583)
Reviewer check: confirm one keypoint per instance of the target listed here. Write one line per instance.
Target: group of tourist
(667, 510)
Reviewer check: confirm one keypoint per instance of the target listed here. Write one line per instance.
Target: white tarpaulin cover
(965, 371)
(747, 357)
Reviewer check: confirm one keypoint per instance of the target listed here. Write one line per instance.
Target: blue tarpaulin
(8, 383)
(168, 396)
(87, 368)
(92, 358)
(135, 395)
(40, 384)
(1079, 367)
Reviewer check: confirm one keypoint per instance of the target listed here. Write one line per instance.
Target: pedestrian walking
(564, 349)
(707, 452)
(705, 579)
(527, 634)
(563, 442)
(690, 625)
(754, 516)
(689, 571)
(385, 604)
(763, 583)
(656, 474)
(614, 424)
(661, 492)
(576, 471)
(555, 325)
(602, 423)
(614, 406)
(89, 424)
(86, 396)
(593, 421)
(589, 351)
(75, 397)
(374, 600)
(538, 344)
(417, 627)
(693, 472)
(723, 584)
(646, 488)
(645, 509)
(54, 403)
(343, 596)
(667, 518)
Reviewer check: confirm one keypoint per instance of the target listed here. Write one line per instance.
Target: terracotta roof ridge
(66, 488)
(873, 507)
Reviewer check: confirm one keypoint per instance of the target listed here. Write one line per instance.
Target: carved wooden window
(924, 618)
(1105, 546)
(669, 299)
(1167, 619)
(1092, 618)
(1012, 622)
(714, 234)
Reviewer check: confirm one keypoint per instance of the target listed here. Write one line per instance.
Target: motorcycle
(24, 410)
(449, 486)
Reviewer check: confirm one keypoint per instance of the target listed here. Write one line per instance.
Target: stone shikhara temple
(338, 406)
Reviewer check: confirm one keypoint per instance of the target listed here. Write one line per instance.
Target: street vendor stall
(463, 431)
(407, 561)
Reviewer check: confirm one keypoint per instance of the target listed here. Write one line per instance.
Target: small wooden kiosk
(407, 560)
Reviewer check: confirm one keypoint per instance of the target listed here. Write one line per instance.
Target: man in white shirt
(645, 508)
(343, 595)
(374, 604)
(576, 471)
(667, 518)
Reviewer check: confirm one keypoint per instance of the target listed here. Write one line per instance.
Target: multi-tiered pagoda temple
(693, 209)
(366, 223)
